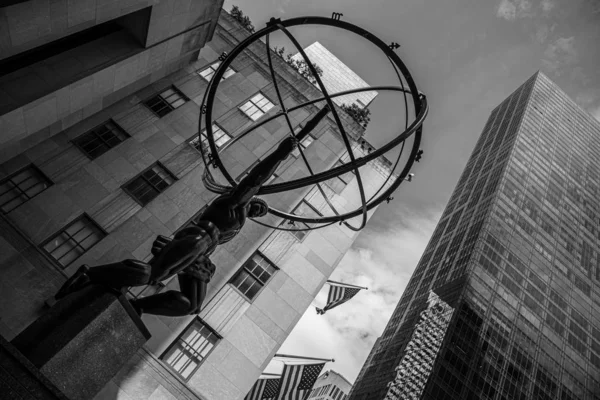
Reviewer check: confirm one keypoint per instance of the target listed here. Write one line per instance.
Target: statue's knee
(190, 231)
(179, 302)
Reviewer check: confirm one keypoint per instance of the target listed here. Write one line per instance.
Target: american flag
(298, 380)
(264, 389)
(337, 295)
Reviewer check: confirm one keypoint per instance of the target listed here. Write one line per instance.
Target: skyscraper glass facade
(337, 77)
(516, 255)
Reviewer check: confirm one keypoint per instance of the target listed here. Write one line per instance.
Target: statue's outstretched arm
(251, 184)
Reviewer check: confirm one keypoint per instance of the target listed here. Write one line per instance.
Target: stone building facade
(99, 190)
(64, 61)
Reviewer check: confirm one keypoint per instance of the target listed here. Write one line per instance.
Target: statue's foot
(78, 281)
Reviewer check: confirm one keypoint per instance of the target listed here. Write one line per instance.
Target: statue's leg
(194, 290)
(173, 303)
(121, 274)
(77, 281)
(170, 303)
(116, 275)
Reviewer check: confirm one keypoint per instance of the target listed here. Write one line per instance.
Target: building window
(73, 240)
(304, 209)
(336, 184)
(221, 137)
(166, 101)
(209, 72)
(307, 141)
(21, 186)
(185, 354)
(149, 184)
(254, 274)
(101, 139)
(257, 106)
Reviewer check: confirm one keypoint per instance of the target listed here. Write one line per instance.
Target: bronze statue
(186, 255)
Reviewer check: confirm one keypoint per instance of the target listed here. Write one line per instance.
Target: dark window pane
(166, 101)
(72, 241)
(20, 187)
(101, 139)
(149, 184)
(253, 275)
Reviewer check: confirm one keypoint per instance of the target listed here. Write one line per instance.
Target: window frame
(256, 279)
(174, 343)
(22, 192)
(76, 141)
(255, 104)
(78, 244)
(140, 175)
(164, 100)
(296, 151)
(213, 67)
(203, 138)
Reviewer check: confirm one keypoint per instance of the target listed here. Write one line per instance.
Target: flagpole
(347, 284)
(304, 358)
(270, 374)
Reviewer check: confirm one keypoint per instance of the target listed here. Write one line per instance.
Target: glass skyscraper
(338, 77)
(515, 255)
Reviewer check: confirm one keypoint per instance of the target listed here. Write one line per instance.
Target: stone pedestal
(83, 341)
(19, 379)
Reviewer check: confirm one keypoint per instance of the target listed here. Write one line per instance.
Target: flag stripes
(338, 295)
(298, 380)
(265, 388)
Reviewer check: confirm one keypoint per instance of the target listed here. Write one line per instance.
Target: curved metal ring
(419, 102)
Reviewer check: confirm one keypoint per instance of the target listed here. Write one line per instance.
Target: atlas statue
(187, 253)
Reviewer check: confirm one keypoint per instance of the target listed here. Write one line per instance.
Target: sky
(467, 56)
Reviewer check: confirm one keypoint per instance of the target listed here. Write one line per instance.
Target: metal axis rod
(304, 358)
(347, 284)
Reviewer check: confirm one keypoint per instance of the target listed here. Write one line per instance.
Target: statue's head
(257, 208)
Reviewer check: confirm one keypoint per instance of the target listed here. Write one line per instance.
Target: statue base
(83, 340)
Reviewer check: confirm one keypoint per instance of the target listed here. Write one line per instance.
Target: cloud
(542, 32)
(596, 113)
(384, 264)
(514, 9)
(547, 5)
(560, 55)
(585, 99)
(281, 5)
(507, 10)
